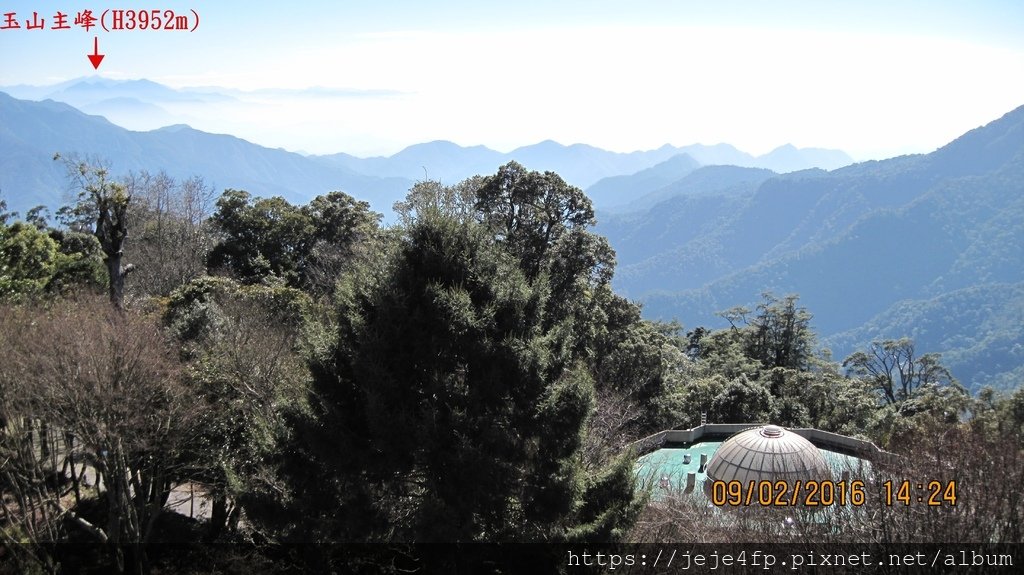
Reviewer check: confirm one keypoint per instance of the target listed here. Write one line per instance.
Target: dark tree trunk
(116, 279)
(112, 230)
(218, 517)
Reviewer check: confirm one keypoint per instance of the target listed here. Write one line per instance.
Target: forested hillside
(328, 392)
(876, 250)
(317, 387)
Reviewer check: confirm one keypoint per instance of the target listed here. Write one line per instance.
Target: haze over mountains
(150, 107)
(928, 246)
(582, 165)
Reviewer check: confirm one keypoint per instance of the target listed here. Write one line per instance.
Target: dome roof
(767, 453)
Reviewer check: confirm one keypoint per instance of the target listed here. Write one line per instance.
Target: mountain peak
(175, 128)
(789, 158)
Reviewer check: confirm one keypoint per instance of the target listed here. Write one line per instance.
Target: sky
(873, 78)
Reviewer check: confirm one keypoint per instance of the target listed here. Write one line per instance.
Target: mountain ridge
(32, 131)
(154, 105)
(876, 249)
(854, 243)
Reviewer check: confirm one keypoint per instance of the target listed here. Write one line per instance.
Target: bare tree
(29, 521)
(111, 380)
(170, 236)
(610, 427)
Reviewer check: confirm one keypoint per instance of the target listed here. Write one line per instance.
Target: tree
(342, 228)
(771, 345)
(38, 217)
(433, 197)
(836, 403)
(170, 234)
(244, 363)
(4, 214)
(724, 352)
(28, 260)
(452, 353)
(780, 335)
(303, 246)
(639, 368)
(529, 212)
(744, 401)
(111, 385)
(38, 262)
(917, 393)
(260, 237)
(895, 372)
(444, 401)
(105, 203)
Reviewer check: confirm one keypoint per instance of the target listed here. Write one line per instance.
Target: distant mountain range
(31, 132)
(928, 246)
(610, 178)
(146, 105)
(38, 121)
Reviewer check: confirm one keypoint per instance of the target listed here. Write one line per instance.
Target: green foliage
(245, 364)
(79, 263)
(28, 260)
(743, 401)
(834, 402)
(777, 337)
(609, 507)
(4, 214)
(38, 217)
(999, 414)
(780, 335)
(763, 369)
(264, 238)
(194, 311)
(641, 363)
(453, 351)
(896, 372)
(451, 403)
(35, 262)
(529, 212)
(432, 198)
(476, 379)
(724, 352)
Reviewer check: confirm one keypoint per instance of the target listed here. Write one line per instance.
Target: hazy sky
(874, 78)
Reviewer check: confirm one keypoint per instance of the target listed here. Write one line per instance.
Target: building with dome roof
(691, 461)
(767, 453)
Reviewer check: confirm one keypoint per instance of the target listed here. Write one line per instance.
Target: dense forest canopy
(466, 375)
(926, 246)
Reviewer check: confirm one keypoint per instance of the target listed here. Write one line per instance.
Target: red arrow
(96, 57)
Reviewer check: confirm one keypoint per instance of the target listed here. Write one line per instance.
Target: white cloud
(621, 88)
(628, 88)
